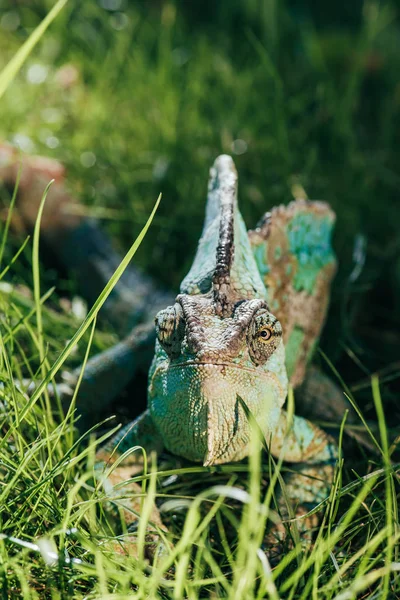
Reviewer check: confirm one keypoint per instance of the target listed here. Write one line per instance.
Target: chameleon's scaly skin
(220, 343)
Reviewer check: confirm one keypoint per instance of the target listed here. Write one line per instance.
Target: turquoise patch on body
(310, 242)
(275, 304)
(292, 349)
(260, 253)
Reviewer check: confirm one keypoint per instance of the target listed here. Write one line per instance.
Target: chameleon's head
(204, 363)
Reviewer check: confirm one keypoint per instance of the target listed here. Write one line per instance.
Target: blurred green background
(139, 97)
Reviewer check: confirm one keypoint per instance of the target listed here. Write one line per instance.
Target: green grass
(162, 91)
(55, 540)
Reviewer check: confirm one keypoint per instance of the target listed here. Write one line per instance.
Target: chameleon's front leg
(302, 442)
(125, 500)
(107, 374)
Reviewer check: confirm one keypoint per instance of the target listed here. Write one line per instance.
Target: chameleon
(243, 327)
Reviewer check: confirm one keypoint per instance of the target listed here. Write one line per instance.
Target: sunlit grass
(53, 536)
(11, 70)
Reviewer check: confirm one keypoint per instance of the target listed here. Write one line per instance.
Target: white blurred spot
(88, 159)
(23, 142)
(68, 378)
(160, 168)
(108, 487)
(48, 550)
(51, 115)
(6, 287)
(169, 480)
(52, 141)
(239, 146)
(359, 256)
(175, 505)
(74, 349)
(10, 21)
(37, 73)
(232, 492)
(119, 21)
(79, 308)
(65, 390)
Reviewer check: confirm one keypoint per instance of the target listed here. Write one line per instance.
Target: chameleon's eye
(263, 336)
(170, 329)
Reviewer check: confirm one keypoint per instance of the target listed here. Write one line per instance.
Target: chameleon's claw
(278, 540)
(127, 545)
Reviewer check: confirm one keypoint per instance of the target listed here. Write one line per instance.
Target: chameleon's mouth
(267, 377)
(196, 363)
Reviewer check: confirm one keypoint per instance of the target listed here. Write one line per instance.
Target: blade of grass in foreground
(12, 68)
(44, 365)
(92, 314)
(9, 215)
(389, 485)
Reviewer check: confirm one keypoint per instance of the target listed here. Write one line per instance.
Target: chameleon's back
(292, 248)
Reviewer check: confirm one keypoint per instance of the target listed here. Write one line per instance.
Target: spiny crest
(223, 180)
(224, 266)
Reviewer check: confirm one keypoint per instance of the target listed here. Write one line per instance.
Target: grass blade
(12, 68)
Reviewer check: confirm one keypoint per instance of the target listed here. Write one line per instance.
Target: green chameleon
(244, 325)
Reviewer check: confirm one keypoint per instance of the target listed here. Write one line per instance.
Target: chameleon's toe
(278, 541)
(154, 547)
(127, 545)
